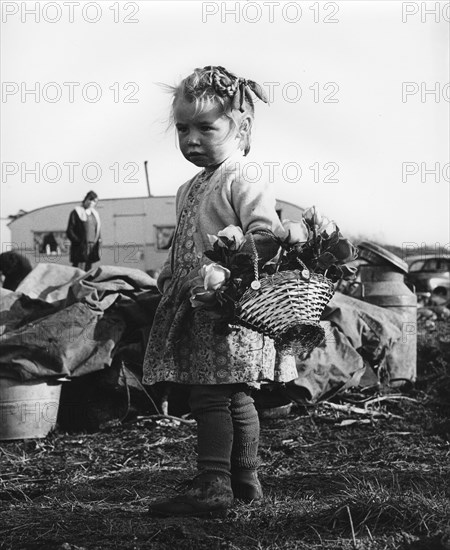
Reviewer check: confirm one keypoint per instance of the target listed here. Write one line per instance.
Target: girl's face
(207, 137)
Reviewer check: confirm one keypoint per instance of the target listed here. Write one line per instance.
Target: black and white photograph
(225, 275)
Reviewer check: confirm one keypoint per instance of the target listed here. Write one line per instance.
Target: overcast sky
(358, 122)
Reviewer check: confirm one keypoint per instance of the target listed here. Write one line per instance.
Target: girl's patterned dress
(189, 345)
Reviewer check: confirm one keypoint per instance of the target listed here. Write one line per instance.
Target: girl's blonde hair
(214, 84)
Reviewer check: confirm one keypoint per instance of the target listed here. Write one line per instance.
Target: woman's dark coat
(76, 233)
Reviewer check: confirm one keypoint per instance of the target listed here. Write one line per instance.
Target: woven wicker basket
(287, 307)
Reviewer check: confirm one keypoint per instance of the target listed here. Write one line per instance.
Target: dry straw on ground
(366, 471)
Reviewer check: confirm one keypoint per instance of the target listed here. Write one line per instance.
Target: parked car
(431, 277)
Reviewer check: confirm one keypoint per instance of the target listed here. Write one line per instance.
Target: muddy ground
(368, 470)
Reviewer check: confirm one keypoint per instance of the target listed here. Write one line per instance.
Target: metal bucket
(382, 281)
(28, 410)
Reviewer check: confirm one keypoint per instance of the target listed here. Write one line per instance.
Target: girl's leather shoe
(246, 485)
(209, 494)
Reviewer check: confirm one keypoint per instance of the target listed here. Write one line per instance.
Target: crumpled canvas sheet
(50, 282)
(62, 321)
(357, 335)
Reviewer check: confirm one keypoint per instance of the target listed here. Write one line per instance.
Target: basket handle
(301, 264)
(256, 284)
(256, 257)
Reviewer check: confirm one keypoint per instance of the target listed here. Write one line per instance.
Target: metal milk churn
(383, 284)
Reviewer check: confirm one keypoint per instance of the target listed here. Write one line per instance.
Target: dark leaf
(325, 260)
(344, 251)
(334, 273)
(333, 240)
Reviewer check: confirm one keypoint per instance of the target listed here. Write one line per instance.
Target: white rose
(233, 233)
(212, 239)
(312, 216)
(214, 276)
(297, 231)
(328, 228)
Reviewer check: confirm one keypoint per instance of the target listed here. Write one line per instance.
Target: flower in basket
(324, 250)
(277, 285)
(232, 237)
(297, 231)
(220, 283)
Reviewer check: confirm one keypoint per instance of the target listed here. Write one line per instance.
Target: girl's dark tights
(227, 427)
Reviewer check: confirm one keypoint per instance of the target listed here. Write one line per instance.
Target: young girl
(213, 112)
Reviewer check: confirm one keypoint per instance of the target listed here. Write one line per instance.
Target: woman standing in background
(83, 232)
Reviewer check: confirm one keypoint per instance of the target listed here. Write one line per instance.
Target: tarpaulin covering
(358, 336)
(61, 321)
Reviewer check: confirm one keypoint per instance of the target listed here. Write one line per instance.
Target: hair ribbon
(245, 87)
